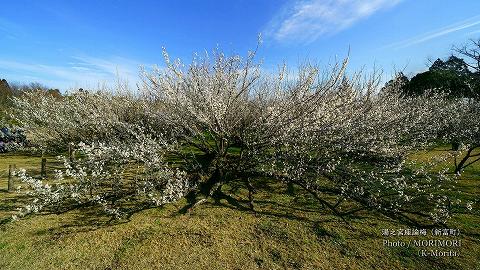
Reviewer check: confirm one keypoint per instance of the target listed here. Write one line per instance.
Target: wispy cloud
(10, 30)
(111, 67)
(81, 72)
(474, 32)
(458, 26)
(306, 21)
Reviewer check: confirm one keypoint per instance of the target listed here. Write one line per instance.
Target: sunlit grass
(285, 232)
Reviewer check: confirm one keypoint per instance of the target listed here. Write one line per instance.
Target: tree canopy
(452, 77)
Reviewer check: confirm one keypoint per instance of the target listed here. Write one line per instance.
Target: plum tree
(193, 128)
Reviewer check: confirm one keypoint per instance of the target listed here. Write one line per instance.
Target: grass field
(283, 233)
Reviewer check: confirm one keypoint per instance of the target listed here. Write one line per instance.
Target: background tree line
(458, 76)
(9, 90)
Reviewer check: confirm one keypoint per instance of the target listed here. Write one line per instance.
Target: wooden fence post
(290, 188)
(71, 152)
(11, 169)
(43, 171)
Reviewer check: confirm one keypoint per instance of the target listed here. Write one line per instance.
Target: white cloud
(458, 26)
(85, 71)
(10, 30)
(112, 67)
(306, 21)
(474, 32)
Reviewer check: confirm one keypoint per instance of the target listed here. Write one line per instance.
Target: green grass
(284, 233)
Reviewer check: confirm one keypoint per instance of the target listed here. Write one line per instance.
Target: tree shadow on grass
(87, 218)
(232, 199)
(267, 203)
(13, 201)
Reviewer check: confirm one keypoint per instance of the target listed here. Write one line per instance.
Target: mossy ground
(285, 232)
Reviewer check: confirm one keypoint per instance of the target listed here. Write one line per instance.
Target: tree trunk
(290, 188)
(11, 169)
(455, 146)
(251, 191)
(71, 152)
(459, 167)
(43, 170)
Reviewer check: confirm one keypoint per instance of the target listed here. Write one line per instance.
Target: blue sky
(71, 44)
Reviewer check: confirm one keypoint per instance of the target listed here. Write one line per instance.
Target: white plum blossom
(192, 128)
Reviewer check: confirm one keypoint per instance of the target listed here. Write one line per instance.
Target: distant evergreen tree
(5, 92)
(396, 84)
(453, 64)
(452, 77)
(438, 65)
(5, 95)
(471, 52)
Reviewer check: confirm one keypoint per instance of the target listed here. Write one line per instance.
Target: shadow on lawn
(271, 201)
(88, 218)
(91, 217)
(10, 201)
(233, 199)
